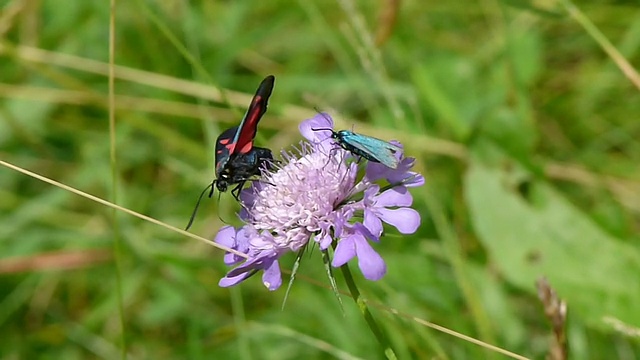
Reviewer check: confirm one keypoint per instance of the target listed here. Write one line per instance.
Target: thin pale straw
(120, 208)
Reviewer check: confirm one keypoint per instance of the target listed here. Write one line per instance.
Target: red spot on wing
(246, 149)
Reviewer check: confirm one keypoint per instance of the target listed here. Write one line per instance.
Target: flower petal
(398, 144)
(370, 262)
(233, 238)
(402, 175)
(413, 179)
(345, 251)
(247, 195)
(243, 239)
(397, 196)
(320, 121)
(376, 171)
(324, 239)
(371, 192)
(372, 222)
(362, 230)
(228, 281)
(272, 278)
(406, 220)
(244, 268)
(244, 214)
(226, 236)
(259, 262)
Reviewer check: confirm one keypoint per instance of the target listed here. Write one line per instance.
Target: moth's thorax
(341, 134)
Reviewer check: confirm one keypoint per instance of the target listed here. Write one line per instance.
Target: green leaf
(543, 234)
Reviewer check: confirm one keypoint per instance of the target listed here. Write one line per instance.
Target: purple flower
(313, 195)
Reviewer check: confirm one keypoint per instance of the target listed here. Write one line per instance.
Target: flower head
(314, 195)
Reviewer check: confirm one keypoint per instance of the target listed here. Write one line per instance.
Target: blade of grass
(627, 69)
(118, 246)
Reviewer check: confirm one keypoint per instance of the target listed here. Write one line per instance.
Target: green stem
(368, 317)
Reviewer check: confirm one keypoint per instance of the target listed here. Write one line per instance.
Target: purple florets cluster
(313, 194)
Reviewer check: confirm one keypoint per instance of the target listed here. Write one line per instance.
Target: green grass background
(524, 126)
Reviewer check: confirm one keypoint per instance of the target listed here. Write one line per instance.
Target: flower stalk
(368, 317)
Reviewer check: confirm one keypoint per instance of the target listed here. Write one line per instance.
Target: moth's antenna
(212, 188)
(195, 210)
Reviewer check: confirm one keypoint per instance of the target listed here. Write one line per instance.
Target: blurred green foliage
(526, 130)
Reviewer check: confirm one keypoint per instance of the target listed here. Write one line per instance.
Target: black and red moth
(237, 160)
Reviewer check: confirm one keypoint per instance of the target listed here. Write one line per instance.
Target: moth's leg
(236, 190)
